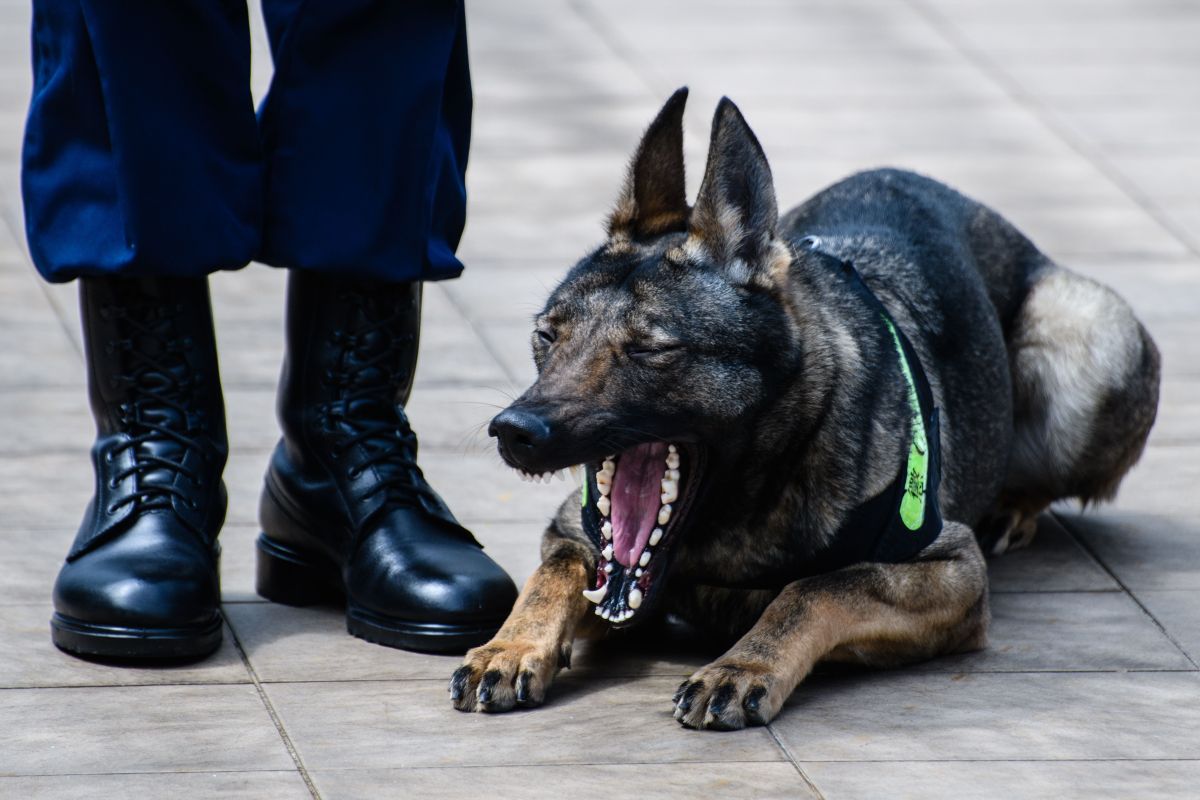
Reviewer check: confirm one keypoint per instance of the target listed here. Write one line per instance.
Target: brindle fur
(1046, 382)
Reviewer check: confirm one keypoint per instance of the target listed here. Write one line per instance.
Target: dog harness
(905, 517)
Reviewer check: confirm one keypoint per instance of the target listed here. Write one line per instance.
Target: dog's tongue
(636, 497)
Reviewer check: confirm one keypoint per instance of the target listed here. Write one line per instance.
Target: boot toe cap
(140, 581)
(441, 582)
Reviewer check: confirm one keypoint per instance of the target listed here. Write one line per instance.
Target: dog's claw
(751, 705)
(488, 685)
(523, 687)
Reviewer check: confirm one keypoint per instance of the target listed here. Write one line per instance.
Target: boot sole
(116, 642)
(297, 578)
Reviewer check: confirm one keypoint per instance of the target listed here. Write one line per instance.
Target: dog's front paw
(502, 675)
(728, 697)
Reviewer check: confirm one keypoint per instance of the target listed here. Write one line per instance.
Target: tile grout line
(605, 33)
(1016, 92)
(66, 327)
(274, 715)
(612, 40)
(457, 304)
(796, 764)
(1083, 543)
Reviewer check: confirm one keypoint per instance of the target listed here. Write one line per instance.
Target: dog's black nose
(521, 433)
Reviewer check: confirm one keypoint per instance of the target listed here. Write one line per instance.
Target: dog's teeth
(607, 552)
(562, 476)
(664, 514)
(604, 478)
(637, 572)
(673, 460)
(672, 475)
(635, 598)
(655, 536)
(608, 568)
(546, 476)
(576, 474)
(645, 559)
(605, 489)
(599, 611)
(606, 530)
(603, 505)
(672, 448)
(670, 490)
(596, 595)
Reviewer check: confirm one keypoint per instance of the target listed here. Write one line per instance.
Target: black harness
(877, 530)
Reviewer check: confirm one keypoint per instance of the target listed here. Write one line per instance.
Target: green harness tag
(912, 503)
(583, 496)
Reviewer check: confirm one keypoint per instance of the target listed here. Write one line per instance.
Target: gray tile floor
(1077, 118)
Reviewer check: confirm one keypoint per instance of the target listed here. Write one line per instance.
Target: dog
(801, 433)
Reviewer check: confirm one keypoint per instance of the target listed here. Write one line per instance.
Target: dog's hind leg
(517, 665)
(1085, 393)
(876, 614)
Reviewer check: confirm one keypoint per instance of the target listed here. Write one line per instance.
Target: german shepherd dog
(805, 430)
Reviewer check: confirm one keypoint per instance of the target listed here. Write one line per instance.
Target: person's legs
(141, 153)
(366, 127)
(141, 174)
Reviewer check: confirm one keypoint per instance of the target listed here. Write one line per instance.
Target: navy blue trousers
(143, 154)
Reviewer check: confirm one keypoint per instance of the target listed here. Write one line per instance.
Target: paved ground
(1077, 118)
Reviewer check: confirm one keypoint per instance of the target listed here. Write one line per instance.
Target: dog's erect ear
(736, 213)
(654, 199)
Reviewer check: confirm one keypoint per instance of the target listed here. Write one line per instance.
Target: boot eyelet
(113, 484)
(353, 473)
(108, 457)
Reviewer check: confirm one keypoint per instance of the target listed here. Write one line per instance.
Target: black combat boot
(346, 511)
(141, 579)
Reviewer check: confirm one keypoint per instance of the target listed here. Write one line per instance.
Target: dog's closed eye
(653, 353)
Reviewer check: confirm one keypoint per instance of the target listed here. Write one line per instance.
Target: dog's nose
(522, 433)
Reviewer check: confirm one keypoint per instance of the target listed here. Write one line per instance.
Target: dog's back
(1071, 413)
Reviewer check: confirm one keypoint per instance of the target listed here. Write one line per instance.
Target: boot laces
(367, 413)
(159, 382)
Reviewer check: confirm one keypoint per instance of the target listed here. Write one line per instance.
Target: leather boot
(346, 512)
(141, 579)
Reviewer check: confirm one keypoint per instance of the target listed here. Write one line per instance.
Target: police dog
(742, 390)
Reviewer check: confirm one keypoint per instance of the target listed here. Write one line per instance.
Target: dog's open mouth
(637, 500)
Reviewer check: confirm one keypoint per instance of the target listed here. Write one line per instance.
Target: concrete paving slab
(1067, 632)
(1053, 563)
(412, 724)
(1001, 780)
(1179, 614)
(909, 716)
(754, 780)
(31, 661)
(110, 730)
(279, 785)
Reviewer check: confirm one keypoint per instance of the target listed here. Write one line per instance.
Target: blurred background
(1077, 119)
